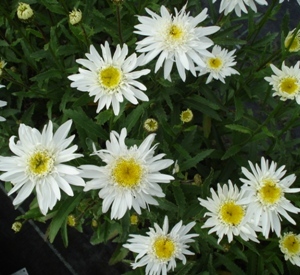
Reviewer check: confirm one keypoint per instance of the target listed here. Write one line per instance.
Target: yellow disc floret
(127, 172)
(290, 243)
(215, 63)
(175, 32)
(110, 77)
(289, 85)
(270, 193)
(231, 213)
(40, 163)
(164, 248)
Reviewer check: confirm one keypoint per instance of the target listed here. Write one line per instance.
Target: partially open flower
(292, 41)
(16, 226)
(24, 11)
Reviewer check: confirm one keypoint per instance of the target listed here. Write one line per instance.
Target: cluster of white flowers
(130, 177)
(258, 207)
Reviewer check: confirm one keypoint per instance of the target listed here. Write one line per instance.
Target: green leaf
(192, 162)
(65, 208)
(233, 150)
(134, 116)
(53, 6)
(239, 128)
(231, 266)
(179, 198)
(119, 254)
(82, 121)
(185, 269)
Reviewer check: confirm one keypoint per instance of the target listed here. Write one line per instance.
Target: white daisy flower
(110, 78)
(265, 190)
(159, 249)
(228, 214)
(219, 65)
(290, 246)
(130, 176)
(286, 82)
(239, 5)
(2, 104)
(175, 38)
(38, 164)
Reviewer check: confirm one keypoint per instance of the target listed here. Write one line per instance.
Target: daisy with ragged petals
(159, 249)
(265, 188)
(219, 65)
(289, 245)
(39, 164)
(130, 176)
(174, 38)
(239, 5)
(228, 214)
(286, 82)
(110, 78)
(2, 104)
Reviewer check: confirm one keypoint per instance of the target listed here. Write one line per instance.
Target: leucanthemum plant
(266, 188)
(129, 178)
(286, 82)
(159, 250)
(219, 66)
(228, 214)
(110, 78)
(289, 245)
(120, 119)
(38, 164)
(174, 38)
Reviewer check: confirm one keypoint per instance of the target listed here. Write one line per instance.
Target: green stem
(119, 23)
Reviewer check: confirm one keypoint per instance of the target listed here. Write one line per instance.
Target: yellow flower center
(40, 163)
(127, 173)
(164, 248)
(231, 213)
(289, 85)
(110, 77)
(270, 192)
(175, 32)
(215, 63)
(291, 243)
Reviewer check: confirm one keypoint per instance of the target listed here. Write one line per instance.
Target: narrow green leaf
(134, 116)
(119, 254)
(192, 162)
(233, 150)
(179, 198)
(239, 128)
(66, 207)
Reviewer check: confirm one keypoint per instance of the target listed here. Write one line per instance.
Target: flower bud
(24, 11)
(186, 116)
(16, 226)
(150, 125)
(75, 16)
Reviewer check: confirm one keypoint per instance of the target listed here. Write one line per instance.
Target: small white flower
(174, 38)
(2, 104)
(219, 65)
(239, 5)
(160, 248)
(38, 164)
(110, 78)
(286, 82)
(130, 176)
(265, 190)
(228, 214)
(290, 246)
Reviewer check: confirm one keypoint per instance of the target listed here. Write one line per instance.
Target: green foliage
(233, 122)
